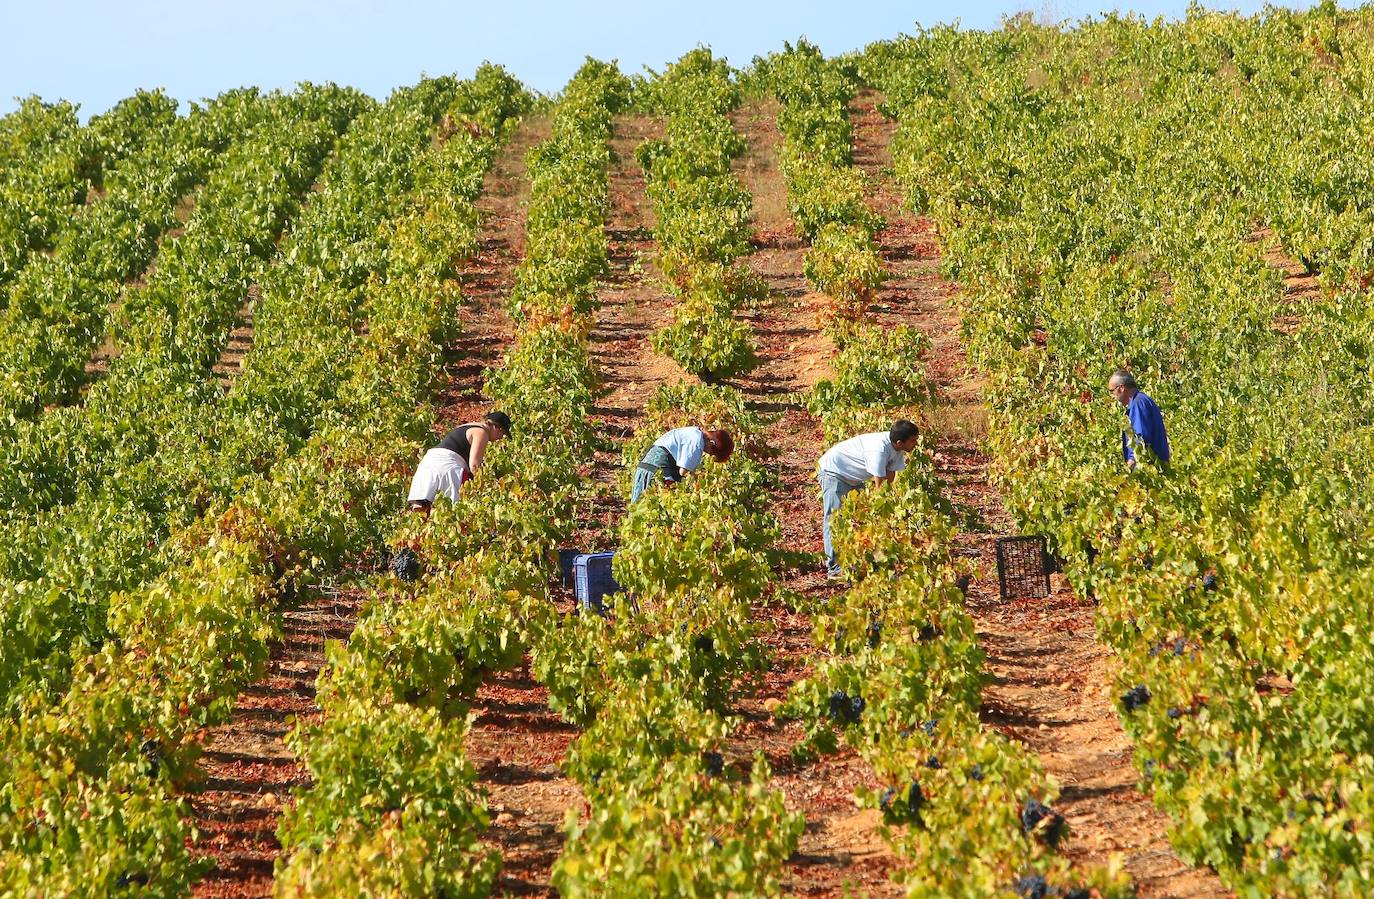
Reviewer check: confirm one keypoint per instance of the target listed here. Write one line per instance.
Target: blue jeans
(833, 492)
(656, 461)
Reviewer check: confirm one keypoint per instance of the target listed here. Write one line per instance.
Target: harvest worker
(850, 464)
(455, 460)
(678, 452)
(1146, 420)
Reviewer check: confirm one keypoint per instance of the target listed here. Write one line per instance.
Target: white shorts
(441, 472)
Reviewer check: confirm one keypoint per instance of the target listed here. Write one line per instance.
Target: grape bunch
(151, 751)
(1042, 821)
(714, 763)
(1178, 647)
(404, 564)
(846, 709)
(1135, 697)
(903, 809)
(1034, 886)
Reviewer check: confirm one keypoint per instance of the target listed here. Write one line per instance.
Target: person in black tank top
(469, 442)
(456, 441)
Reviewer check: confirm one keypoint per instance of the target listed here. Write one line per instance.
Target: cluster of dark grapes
(713, 762)
(404, 564)
(846, 709)
(1135, 697)
(151, 750)
(1034, 886)
(1044, 822)
(928, 632)
(903, 809)
(1179, 647)
(875, 633)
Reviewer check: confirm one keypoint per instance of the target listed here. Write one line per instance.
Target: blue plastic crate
(592, 572)
(566, 557)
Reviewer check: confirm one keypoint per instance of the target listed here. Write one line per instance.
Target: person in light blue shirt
(677, 452)
(852, 463)
(1147, 423)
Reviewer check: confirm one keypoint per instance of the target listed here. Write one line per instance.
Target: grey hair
(1122, 377)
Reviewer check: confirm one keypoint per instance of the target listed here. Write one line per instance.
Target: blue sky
(94, 53)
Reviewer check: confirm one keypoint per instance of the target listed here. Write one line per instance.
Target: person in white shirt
(850, 464)
(447, 466)
(677, 452)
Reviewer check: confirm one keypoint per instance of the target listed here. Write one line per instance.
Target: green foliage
(702, 217)
(171, 654)
(653, 680)
(843, 263)
(707, 340)
(386, 771)
(405, 855)
(825, 191)
(53, 163)
(435, 648)
(1106, 196)
(565, 243)
(904, 688)
(397, 812)
(878, 371)
(149, 458)
(112, 835)
(681, 833)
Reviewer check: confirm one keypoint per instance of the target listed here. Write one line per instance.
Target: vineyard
(234, 665)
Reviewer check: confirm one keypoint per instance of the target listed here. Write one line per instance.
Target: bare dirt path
(230, 363)
(634, 304)
(248, 772)
(1052, 680)
(840, 849)
(247, 769)
(522, 741)
(1300, 287)
(517, 743)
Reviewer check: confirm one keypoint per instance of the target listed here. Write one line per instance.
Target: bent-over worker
(1147, 422)
(446, 467)
(678, 452)
(850, 464)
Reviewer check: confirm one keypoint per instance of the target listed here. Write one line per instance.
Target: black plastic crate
(1023, 567)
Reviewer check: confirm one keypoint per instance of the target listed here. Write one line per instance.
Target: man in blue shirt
(1146, 420)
